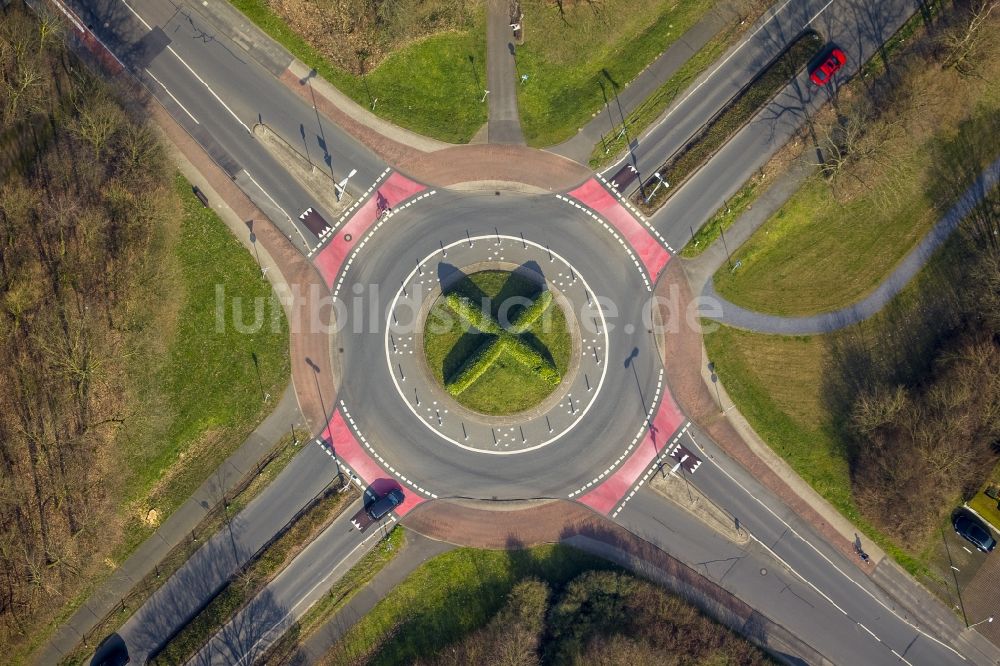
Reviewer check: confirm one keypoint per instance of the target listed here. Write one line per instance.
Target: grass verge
(254, 577)
(432, 86)
(577, 54)
(653, 106)
(813, 256)
(205, 396)
(507, 386)
(727, 122)
(723, 219)
(451, 595)
(339, 595)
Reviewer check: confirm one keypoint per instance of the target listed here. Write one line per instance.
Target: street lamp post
(662, 182)
(976, 624)
(485, 93)
(341, 187)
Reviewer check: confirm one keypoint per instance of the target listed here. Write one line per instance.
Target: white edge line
(165, 88)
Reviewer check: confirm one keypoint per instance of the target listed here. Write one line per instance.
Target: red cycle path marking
(606, 496)
(651, 252)
(395, 189)
(348, 449)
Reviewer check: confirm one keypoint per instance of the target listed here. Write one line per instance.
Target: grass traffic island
(497, 342)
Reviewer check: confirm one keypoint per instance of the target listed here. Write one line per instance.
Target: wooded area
(601, 617)
(84, 189)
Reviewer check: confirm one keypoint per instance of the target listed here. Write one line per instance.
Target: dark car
(834, 60)
(379, 508)
(972, 530)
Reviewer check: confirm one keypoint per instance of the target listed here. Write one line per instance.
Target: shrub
(541, 303)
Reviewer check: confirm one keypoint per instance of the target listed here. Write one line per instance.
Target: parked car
(380, 507)
(974, 531)
(834, 60)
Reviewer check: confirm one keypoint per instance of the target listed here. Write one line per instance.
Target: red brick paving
(462, 524)
(330, 259)
(339, 438)
(651, 252)
(608, 494)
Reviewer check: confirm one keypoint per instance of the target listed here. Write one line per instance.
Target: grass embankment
(842, 233)
(576, 55)
(254, 577)
(731, 119)
(342, 592)
(549, 604)
(204, 390)
(245, 491)
(790, 388)
(424, 69)
(507, 386)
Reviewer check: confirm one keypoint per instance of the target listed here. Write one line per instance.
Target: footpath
(700, 270)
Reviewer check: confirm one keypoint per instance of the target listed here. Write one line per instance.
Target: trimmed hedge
(476, 365)
(529, 356)
(473, 314)
(541, 303)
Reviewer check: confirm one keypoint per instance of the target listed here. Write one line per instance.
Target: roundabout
(607, 385)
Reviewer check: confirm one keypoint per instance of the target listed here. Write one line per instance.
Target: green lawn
(831, 244)
(200, 385)
(816, 254)
(777, 384)
(788, 387)
(432, 86)
(507, 386)
(449, 596)
(569, 55)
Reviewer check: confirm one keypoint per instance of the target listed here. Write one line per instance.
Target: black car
(972, 530)
(379, 508)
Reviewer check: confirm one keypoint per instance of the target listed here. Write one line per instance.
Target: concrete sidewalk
(176, 528)
(635, 92)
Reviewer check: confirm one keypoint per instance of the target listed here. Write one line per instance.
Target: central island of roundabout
(497, 345)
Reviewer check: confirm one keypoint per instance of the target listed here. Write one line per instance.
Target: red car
(831, 63)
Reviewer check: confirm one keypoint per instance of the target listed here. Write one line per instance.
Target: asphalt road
(197, 581)
(218, 93)
(251, 631)
(858, 27)
(812, 585)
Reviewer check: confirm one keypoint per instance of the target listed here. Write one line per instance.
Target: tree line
(83, 191)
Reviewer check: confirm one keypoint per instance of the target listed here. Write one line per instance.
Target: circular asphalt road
(379, 400)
